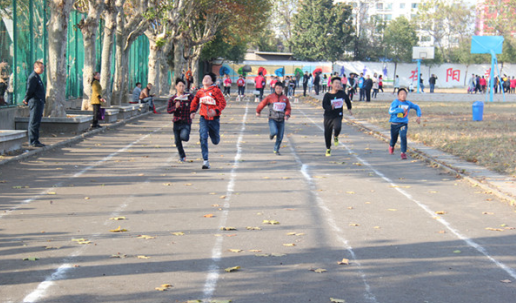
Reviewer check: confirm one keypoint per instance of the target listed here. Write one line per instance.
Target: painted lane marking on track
(216, 252)
(63, 269)
(45, 191)
(304, 169)
(441, 220)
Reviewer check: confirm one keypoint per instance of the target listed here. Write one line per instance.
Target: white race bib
(279, 106)
(337, 103)
(208, 100)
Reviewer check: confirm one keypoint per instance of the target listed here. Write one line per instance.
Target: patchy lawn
(449, 127)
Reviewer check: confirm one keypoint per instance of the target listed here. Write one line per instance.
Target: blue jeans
(277, 129)
(181, 133)
(432, 86)
(149, 100)
(208, 128)
(401, 130)
(36, 113)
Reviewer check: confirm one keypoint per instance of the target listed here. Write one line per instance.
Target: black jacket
(368, 83)
(340, 97)
(35, 88)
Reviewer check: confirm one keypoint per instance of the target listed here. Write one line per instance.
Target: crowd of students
(482, 85)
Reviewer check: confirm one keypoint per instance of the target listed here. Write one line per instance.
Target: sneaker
(277, 153)
(391, 150)
(206, 164)
(336, 141)
(182, 159)
(403, 156)
(271, 136)
(328, 152)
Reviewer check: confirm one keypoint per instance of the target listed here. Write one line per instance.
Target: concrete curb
(77, 138)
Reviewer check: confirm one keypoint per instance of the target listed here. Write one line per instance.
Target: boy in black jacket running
(333, 102)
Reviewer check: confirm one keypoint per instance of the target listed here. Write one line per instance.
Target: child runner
(212, 104)
(241, 87)
(279, 111)
(179, 105)
(227, 85)
(399, 111)
(333, 103)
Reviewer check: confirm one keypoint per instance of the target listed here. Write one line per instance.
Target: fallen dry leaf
(146, 237)
(343, 262)
(506, 281)
(228, 228)
(178, 233)
(440, 212)
(118, 230)
(143, 257)
(494, 229)
(253, 228)
(289, 244)
(117, 218)
(487, 213)
(235, 250)
(333, 300)
(271, 222)
(231, 269)
(318, 270)
(277, 255)
(209, 216)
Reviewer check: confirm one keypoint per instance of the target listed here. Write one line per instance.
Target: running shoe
(206, 165)
(336, 141)
(277, 153)
(328, 152)
(391, 150)
(403, 156)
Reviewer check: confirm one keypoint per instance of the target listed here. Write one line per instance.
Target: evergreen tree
(399, 38)
(321, 30)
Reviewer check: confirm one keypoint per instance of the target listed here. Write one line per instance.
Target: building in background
(387, 10)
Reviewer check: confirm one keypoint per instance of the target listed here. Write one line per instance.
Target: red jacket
(241, 82)
(210, 98)
(259, 81)
(276, 112)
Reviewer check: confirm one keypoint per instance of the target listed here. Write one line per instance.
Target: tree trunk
(56, 67)
(196, 55)
(164, 85)
(154, 63)
(178, 59)
(107, 49)
(89, 28)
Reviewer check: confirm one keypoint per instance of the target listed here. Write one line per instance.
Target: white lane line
(216, 252)
(441, 220)
(61, 271)
(368, 295)
(45, 191)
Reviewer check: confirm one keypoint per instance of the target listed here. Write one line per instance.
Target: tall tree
(109, 14)
(282, 18)
(89, 26)
(131, 23)
(446, 23)
(322, 30)
(399, 38)
(56, 67)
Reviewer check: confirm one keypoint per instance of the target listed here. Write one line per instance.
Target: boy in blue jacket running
(399, 111)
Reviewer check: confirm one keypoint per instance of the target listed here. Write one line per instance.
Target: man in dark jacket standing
(35, 99)
(368, 85)
(317, 83)
(306, 77)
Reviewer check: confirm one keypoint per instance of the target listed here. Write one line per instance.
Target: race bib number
(279, 106)
(337, 103)
(208, 100)
(405, 111)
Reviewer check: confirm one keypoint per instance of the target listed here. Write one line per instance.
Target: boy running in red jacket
(212, 103)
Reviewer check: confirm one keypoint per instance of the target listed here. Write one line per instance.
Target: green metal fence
(24, 39)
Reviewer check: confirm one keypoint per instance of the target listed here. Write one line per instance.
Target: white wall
(448, 75)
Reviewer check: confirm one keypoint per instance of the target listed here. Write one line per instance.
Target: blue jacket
(361, 81)
(35, 88)
(399, 111)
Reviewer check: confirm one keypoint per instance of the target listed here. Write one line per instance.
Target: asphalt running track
(410, 233)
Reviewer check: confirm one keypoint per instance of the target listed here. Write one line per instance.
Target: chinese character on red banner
(414, 76)
(453, 73)
(488, 73)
